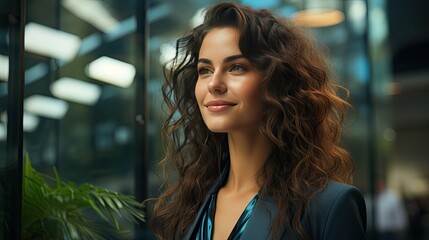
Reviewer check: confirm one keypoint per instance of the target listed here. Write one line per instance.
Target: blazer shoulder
(334, 190)
(338, 212)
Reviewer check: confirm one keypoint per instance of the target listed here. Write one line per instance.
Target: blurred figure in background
(391, 220)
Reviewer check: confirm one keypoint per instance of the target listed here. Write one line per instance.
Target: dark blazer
(337, 212)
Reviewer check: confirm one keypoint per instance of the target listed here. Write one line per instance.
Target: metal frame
(14, 143)
(141, 108)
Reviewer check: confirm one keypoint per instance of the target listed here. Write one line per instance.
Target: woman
(253, 136)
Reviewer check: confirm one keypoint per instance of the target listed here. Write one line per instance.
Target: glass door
(72, 100)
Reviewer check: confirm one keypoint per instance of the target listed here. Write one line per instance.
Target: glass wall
(80, 96)
(83, 103)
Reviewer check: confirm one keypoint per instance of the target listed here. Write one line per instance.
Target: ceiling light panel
(75, 90)
(112, 71)
(4, 67)
(51, 42)
(30, 122)
(93, 12)
(46, 106)
(3, 132)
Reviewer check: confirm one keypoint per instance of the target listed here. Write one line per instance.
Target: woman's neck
(248, 153)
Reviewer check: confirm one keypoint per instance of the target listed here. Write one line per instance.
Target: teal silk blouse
(337, 212)
(206, 222)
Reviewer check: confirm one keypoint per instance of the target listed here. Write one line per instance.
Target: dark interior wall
(409, 34)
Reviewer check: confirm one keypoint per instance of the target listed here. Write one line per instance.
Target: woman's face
(228, 86)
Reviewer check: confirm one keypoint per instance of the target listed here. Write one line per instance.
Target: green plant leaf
(60, 210)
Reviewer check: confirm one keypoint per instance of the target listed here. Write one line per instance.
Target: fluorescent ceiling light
(357, 10)
(51, 42)
(76, 91)
(46, 106)
(356, 14)
(112, 71)
(93, 12)
(30, 122)
(4, 67)
(3, 131)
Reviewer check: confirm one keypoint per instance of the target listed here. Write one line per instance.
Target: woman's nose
(217, 84)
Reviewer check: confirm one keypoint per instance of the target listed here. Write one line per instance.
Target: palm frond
(62, 210)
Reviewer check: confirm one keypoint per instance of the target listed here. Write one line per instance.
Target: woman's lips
(219, 106)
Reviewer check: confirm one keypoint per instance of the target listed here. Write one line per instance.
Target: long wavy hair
(303, 121)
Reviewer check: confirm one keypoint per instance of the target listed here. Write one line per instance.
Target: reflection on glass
(112, 71)
(92, 11)
(50, 42)
(3, 132)
(46, 106)
(76, 91)
(81, 91)
(4, 67)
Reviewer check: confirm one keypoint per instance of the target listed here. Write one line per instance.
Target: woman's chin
(217, 129)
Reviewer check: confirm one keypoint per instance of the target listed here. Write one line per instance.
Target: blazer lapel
(213, 189)
(259, 223)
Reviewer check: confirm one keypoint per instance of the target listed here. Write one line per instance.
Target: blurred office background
(81, 92)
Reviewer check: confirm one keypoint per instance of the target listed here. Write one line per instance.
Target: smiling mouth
(219, 106)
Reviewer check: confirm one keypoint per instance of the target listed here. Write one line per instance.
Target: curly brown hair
(303, 121)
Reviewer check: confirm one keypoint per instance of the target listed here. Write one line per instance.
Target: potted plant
(54, 209)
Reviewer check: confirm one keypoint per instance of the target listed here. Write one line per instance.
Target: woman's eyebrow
(226, 60)
(232, 58)
(205, 60)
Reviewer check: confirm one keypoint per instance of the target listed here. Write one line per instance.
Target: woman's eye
(203, 71)
(238, 68)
